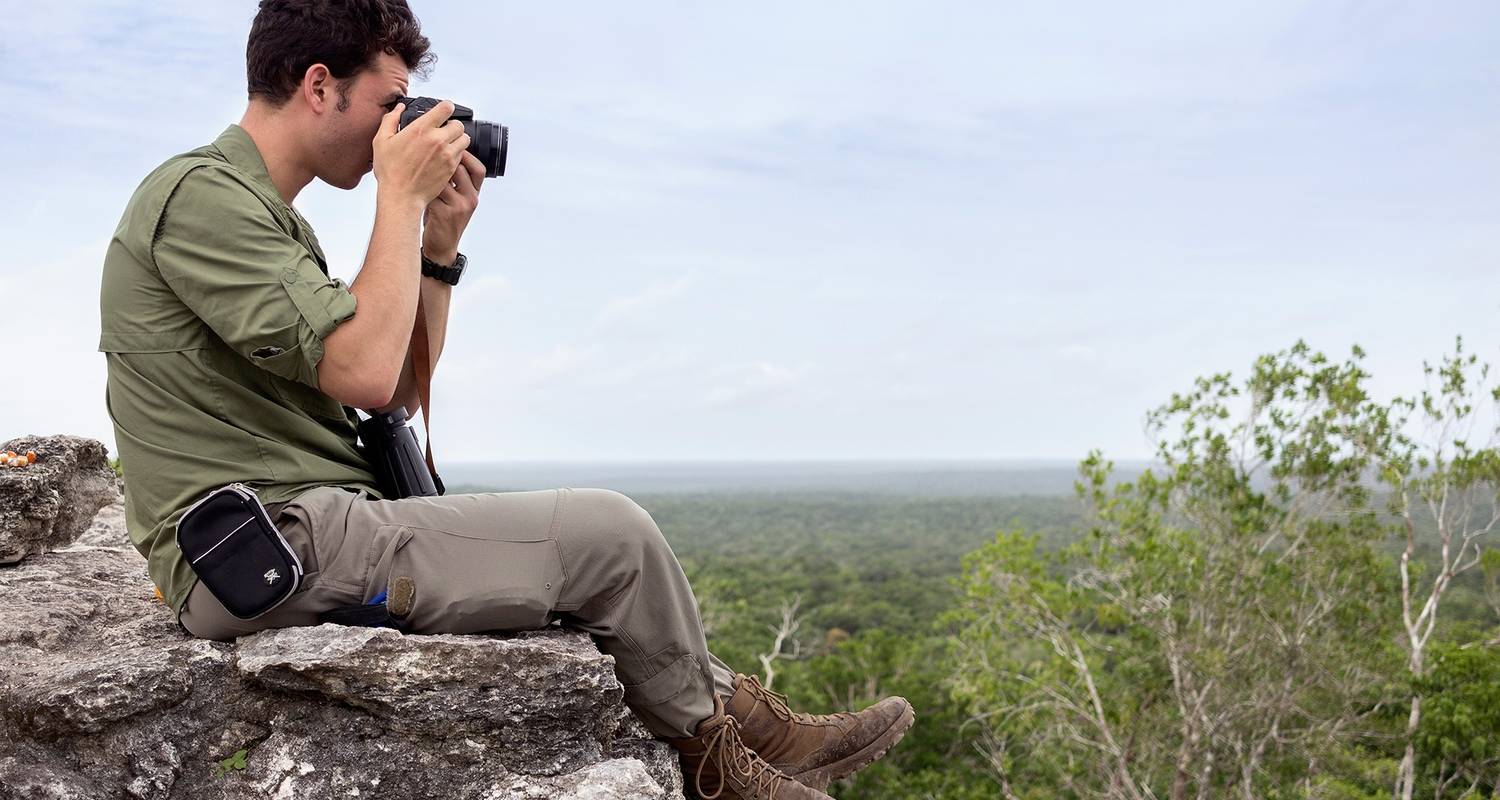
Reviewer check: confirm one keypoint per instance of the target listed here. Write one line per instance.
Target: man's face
(347, 151)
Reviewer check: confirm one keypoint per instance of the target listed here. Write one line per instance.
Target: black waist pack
(237, 552)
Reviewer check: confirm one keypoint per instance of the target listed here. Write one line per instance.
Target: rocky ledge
(102, 695)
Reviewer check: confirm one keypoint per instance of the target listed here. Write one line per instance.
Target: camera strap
(421, 362)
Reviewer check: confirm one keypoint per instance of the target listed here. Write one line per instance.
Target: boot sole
(822, 776)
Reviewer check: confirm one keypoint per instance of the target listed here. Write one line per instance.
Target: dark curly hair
(288, 36)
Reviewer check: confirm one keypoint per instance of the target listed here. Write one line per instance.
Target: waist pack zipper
(249, 494)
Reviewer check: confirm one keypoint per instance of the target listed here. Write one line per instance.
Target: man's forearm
(435, 296)
(406, 389)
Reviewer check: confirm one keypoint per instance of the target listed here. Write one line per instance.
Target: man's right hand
(417, 161)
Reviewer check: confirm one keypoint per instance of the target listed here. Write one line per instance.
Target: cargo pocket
(378, 559)
(466, 584)
(666, 684)
(298, 534)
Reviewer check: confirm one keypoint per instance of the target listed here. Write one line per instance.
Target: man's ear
(317, 88)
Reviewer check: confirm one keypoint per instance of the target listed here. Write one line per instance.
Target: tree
(1458, 740)
(781, 634)
(1213, 631)
(1444, 485)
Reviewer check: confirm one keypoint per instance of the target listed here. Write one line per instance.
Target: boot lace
(777, 701)
(760, 777)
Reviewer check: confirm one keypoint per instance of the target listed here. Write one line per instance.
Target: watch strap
(448, 274)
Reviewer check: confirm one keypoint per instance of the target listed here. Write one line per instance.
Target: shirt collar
(237, 146)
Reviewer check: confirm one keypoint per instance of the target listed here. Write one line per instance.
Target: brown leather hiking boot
(815, 749)
(718, 757)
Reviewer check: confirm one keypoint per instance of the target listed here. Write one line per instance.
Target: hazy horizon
(917, 477)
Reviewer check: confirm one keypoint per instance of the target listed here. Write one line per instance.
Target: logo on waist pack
(271, 576)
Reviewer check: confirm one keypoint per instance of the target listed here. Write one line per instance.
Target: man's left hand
(448, 214)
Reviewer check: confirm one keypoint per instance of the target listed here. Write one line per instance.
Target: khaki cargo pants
(502, 561)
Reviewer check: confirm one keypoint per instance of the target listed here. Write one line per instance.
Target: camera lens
(488, 144)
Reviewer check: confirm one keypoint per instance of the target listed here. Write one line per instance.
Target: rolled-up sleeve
(228, 258)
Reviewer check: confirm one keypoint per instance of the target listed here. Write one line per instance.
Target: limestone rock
(102, 695)
(48, 504)
(535, 698)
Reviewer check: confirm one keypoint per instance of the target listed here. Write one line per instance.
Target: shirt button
(289, 275)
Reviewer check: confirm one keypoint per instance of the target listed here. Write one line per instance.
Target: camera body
(488, 141)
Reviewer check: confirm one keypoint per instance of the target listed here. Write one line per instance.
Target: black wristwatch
(448, 274)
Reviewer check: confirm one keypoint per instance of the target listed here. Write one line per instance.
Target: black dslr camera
(487, 140)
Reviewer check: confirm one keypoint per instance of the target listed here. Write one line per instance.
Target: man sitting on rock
(234, 357)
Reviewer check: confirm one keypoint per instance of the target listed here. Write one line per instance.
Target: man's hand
(417, 162)
(449, 213)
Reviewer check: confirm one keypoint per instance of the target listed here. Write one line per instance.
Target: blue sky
(835, 230)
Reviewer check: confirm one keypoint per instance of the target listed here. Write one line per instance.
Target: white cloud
(642, 303)
(1077, 352)
(742, 383)
(646, 372)
(555, 363)
(486, 284)
(485, 294)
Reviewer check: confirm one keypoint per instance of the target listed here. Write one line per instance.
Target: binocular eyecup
(390, 446)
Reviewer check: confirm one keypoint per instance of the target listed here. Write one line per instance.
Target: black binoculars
(390, 446)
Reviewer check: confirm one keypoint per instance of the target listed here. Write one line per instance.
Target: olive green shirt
(214, 305)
